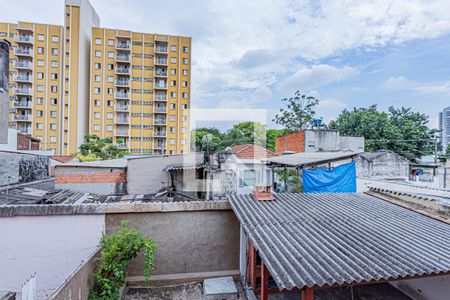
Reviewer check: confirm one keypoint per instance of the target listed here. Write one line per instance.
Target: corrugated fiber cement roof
(336, 239)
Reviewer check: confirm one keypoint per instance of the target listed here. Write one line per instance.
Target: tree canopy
(399, 129)
(298, 113)
(95, 148)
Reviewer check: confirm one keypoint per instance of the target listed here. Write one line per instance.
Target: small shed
(382, 165)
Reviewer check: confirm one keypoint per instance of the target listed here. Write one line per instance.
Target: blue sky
(250, 54)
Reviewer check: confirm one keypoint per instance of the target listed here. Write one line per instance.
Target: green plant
(118, 250)
(292, 178)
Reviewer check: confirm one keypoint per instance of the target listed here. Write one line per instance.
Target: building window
(53, 114)
(40, 63)
(173, 106)
(54, 76)
(172, 141)
(97, 78)
(39, 126)
(185, 49)
(40, 75)
(40, 50)
(96, 127)
(98, 53)
(110, 66)
(110, 91)
(54, 89)
(173, 60)
(98, 66)
(109, 128)
(53, 139)
(173, 83)
(184, 95)
(183, 129)
(39, 113)
(109, 103)
(54, 51)
(173, 94)
(173, 71)
(109, 116)
(41, 37)
(54, 63)
(184, 83)
(53, 101)
(98, 41)
(40, 88)
(40, 100)
(185, 61)
(55, 38)
(110, 79)
(185, 72)
(173, 118)
(172, 129)
(183, 141)
(111, 54)
(183, 106)
(97, 90)
(97, 102)
(110, 42)
(96, 115)
(173, 48)
(52, 126)
(184, 118)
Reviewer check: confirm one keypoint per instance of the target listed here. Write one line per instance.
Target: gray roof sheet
(336, 239)
(308, 158)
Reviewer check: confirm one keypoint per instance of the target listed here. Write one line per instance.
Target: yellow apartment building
(140, 90)
(68, 81)
(35, 79)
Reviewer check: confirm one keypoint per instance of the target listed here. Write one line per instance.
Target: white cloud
(403, 83)
(315, 76)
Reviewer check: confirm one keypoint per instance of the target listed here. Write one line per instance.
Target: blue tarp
(341, 179)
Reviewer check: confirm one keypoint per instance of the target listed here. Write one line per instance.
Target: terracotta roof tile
(249, 151)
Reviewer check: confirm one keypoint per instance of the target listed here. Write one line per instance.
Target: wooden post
(264, 282)
(285, 180)
(307, 294)
(251, 269)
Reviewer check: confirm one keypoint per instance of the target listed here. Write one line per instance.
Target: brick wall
(291, 142)
(26, 142)
(92, 176)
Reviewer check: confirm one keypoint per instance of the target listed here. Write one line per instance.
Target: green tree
(198, 139)
(400, 130)
(95, 148)
(245, 133)
(271, 135)
(299, 112)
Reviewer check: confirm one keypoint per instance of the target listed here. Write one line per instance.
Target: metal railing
(23, 64)
(160, 97)
(123, 70)
(160, 109)
(123, 58)
(23, 39)
(123, 82)
(159, 133)
(161, 61)
(122, 107)
(160, 121)
(122, 145)
(22, 104)
(122, 46)
(160, 49)
(24, 91)
(122, 95)
(122, 120)
(160, 73)
(28, 117)
(22, 51)
(18, 77)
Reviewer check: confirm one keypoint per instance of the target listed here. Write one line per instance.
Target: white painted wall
(50, 246)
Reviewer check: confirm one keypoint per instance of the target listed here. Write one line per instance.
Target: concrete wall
(431, 288)
(321, 140)
(105, 181)
(147, 175)
(352, 143)
(386, 166)
(18, 167)
(49, 245)
(80, 282)
(188, 241)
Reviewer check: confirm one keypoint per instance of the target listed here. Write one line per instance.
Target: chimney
(263, 193)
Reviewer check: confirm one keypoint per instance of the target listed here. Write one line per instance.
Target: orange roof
(250, 151)
(62, 158)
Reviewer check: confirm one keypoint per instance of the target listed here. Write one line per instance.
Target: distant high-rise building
(140, 90)
(444, 126)
(68, 81)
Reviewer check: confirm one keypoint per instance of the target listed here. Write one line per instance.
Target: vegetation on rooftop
(118, 250)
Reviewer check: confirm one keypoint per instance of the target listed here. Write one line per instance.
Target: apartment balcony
(26, 130)
(23, 52)
(161, 61)
(22, 104)
(163, 39)
(122, 145)
(159, 109)
(159, 133)
(160, 145)
(121, 133)
(23, 91)
(123, 58)
(123, 36)
(24, 29)
(160, 122)
(160, 73)
(23, 118)
(25, 65)
(23, 78)
(123, 46)
(122, 108)
(159, 97)
(122, 95)
(122, 83)
(123, 71)
(23, 39)
(161, 49)
(160, 86)
(120, 120)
